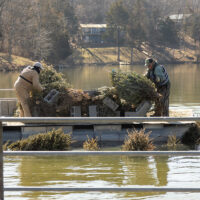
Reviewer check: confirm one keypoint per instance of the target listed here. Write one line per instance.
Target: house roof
(179, 16)
(93, 25)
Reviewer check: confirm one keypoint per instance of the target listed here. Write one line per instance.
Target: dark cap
(148, 61)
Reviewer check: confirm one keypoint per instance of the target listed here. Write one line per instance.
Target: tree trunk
(131, 56)
(11, 35)
(118, 45)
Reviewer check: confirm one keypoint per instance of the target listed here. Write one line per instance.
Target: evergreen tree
(117, 20)
(133, 88)
(135, 27)
(167, 32)
(193, 26)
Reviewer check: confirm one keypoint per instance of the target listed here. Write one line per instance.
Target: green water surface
(101, 171)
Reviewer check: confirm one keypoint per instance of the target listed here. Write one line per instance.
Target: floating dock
(111, 130)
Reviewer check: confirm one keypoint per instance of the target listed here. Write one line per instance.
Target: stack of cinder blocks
(8, 107)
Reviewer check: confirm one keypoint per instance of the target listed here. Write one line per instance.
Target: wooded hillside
(50, 30)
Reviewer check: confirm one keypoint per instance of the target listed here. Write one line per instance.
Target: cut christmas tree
(133, 88)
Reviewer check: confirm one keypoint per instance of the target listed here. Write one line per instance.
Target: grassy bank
(16, 64)
(108, 55)
(186, 53)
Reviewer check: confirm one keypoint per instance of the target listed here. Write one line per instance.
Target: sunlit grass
(138, 140)
(17, 62)
(105, 55)
(91, 144)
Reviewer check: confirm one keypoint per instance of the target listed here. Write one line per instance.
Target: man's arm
(36, 82)
(147, 74)
(160, 76)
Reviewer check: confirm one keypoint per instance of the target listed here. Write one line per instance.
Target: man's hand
(37, 102)
(43, 88)
(157, 79)
(159, 96)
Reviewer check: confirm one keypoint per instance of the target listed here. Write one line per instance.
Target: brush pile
(58, 97)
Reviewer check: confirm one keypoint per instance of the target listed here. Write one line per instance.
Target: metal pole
(118, 45)
(1, 163)
(98, 153)
(7, 89)
(108, 189)
(99, 120)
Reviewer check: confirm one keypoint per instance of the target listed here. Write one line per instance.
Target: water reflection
(185, 83)
(96, 171)
(101, 171)
(148, 171)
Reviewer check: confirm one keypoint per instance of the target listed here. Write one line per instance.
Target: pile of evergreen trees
(128, 91)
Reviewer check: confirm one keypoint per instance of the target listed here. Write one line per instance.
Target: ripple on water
(101, 171)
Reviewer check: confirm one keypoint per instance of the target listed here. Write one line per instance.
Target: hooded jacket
(158, 75)
(29, 80)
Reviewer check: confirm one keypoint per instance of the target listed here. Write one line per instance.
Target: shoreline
(109, 56)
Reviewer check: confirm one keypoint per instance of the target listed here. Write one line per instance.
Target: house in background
(179, 17)
(92, 33)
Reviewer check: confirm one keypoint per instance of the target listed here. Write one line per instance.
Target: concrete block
(12, 135)
(102, 128)
(4, 111)
(153, 126)
(141, 110)
(52, 96)
(107, 132)
(7, 107)
(162, 134)
(12, 106)
(197, 147)
(110, 103)
(92, 111)
(122, 136)
(76, 111)
(66, 129)
(82, 135)
(27, 131)
(111, 136)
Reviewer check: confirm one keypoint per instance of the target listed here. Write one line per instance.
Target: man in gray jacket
(27, 81)
(158, 74)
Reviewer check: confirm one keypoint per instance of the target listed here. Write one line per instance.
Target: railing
(104, 153)
(97, 120)
(106, 189)
(94, 120)
(7, 89)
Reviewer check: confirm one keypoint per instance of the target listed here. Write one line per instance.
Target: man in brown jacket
(27, 81)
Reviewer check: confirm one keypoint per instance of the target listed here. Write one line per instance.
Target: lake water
(101, 171)
(185, 81)
(108, 171)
